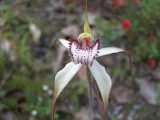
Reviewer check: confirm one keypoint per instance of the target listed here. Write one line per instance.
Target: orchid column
(84, 51)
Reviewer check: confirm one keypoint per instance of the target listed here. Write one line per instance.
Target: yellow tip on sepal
(87, 28)
(84, 35)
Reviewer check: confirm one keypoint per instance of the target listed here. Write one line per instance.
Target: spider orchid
(84, 52)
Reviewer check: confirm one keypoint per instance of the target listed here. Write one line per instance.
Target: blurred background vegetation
(30, 55)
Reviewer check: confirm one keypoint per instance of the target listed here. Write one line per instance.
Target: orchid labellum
(84, 52)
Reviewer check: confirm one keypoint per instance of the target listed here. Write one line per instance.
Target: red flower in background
(126, 24)
(137, 2)
(152, 63)
(118, 3)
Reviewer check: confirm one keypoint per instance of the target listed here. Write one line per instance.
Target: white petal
(64, 42)
(103, 80)
(109, 50)
(64, 76)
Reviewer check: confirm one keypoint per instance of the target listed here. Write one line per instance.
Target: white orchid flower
(83, 53)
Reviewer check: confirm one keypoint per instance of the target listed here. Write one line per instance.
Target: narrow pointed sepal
(64, 76)
(103, 80)
(108, 51)
(87, 28)
(64, 42)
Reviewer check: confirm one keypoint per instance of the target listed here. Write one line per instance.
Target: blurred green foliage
(22, 85)
(145, 29)
(108, 30)
(2, 61)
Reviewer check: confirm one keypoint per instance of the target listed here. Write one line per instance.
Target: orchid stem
(90, 97)
(103, 109)
(53, 107)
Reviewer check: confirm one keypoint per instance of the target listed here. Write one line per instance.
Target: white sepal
(65, 43)
(64, 76)
(103, 80)
(108, 51)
